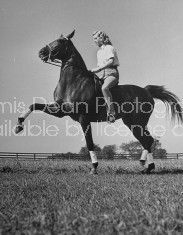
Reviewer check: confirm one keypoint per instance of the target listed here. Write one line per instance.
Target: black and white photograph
(91, 117)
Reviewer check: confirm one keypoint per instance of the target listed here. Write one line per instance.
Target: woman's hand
(96, 70)
(109, 63)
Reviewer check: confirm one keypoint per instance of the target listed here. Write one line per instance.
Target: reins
(60, 63)
(55, 62)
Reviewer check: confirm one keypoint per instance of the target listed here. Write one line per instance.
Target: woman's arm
(107, 65)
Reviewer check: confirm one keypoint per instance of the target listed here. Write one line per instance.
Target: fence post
(17, 155)
(34, 156)
(177, 156)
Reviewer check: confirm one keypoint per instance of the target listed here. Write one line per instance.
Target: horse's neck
(72, 75)
(76, 59)
(72, 67)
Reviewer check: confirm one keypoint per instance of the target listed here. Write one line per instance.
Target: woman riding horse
(76, 96)
(107, 69)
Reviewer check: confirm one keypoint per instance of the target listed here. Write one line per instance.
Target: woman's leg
(109, 82)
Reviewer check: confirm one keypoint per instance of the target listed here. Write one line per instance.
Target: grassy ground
(60, 197)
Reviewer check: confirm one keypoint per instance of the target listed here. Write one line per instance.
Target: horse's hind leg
(142, 134)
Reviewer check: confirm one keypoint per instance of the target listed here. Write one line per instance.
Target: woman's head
(100, 38)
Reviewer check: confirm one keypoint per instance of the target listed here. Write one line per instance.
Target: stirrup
(111, 118)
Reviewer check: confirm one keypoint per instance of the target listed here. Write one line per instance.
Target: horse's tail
(170, 100)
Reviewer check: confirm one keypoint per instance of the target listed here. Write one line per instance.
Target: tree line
(131, 147)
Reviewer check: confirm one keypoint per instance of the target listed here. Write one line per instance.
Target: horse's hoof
(93, 172)
(19, 128)
(142, 162)
(151, 167)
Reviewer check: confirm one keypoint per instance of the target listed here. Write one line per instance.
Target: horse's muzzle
(44, 54)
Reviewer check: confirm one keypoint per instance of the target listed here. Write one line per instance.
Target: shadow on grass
(7, 169)
(80, 169)
(160, 172)
(169, 171)
(48, 170)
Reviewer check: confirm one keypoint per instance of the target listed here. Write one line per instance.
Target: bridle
(64, 63)
(54, 61)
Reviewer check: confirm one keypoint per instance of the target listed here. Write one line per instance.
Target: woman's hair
(103, 36)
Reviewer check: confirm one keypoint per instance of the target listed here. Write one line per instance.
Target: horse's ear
(69, 36)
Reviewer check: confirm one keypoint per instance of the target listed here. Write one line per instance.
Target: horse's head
(57, 49)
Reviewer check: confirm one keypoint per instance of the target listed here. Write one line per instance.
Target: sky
(148, 37)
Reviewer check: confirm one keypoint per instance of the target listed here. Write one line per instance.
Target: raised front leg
(86, 127)
(54, 109)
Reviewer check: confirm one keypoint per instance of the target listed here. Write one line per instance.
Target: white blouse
(105, 53)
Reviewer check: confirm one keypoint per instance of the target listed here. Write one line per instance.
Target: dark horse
(76, 96)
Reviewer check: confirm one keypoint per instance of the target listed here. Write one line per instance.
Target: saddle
(98, 85)
(98, 82)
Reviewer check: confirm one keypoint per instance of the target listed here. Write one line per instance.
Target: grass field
(61, 197)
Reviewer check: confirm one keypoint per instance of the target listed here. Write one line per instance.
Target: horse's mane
(77, 58)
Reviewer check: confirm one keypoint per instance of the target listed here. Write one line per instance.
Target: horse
(76, 96)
